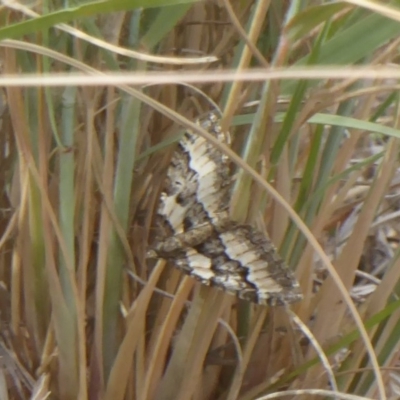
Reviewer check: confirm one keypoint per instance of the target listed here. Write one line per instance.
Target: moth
(198, 236)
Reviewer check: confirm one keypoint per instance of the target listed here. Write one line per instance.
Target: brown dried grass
(84, 314)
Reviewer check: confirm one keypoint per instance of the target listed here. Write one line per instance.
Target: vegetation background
(309, 92)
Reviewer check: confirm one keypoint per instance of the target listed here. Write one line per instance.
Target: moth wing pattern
(198, 174)
(202, 241)
(236, 258)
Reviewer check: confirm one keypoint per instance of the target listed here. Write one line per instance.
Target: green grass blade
(87, 10)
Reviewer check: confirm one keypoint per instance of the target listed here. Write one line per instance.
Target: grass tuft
(84, 314)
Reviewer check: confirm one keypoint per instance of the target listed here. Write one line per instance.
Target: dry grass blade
(314, 392)
(109, 46)
(118, 379)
